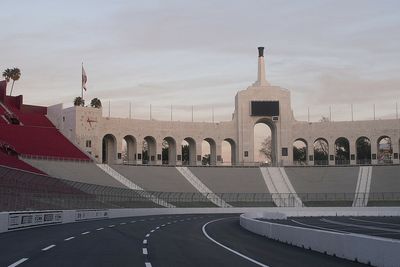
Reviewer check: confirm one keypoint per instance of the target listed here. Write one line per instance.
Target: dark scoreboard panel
(265, 108)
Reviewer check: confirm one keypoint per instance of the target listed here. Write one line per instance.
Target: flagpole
(82, 83)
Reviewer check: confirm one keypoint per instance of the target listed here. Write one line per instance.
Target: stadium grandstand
(46, 172)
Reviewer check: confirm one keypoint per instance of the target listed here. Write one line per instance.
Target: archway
(209, 152)
(321, 152)
(385, 150)
(169, 151)
(342, 151)
(129, 149)
(149, 150)
(363, 148)
(228, 148)
(265, 142)
(300, 148)
(188, 151)
(109, 149)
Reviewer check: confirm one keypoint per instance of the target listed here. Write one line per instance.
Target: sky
(200, 53)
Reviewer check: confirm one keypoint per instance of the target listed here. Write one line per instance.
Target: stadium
(63, 168)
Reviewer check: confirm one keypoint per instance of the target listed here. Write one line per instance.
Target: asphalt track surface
(386, 227)
(168, 240)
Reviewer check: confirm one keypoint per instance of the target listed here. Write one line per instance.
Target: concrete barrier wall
(365, 249)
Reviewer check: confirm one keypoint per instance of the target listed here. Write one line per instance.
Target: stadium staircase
(202, 188)
(278, 184)
(363, 187)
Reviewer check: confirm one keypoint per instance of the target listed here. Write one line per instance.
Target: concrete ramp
(279, 185)
(123, 180)
(363, 187)
(202, 188)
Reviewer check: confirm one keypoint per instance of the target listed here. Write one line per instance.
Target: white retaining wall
(365, 249)
(36, 218)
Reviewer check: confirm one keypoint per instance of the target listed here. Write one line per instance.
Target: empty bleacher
(385, 186)
(167, 181)
(228, 182)
(46, 142)
(77, 171)
(324, 186)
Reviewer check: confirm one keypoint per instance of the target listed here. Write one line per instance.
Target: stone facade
(102, 137)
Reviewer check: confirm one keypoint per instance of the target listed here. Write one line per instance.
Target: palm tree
(7, 73)
(95, 103)
(13, 74)
(79, 101)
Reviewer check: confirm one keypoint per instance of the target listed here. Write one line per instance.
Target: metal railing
(24, 198)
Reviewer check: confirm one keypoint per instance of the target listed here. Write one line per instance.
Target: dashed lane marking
(99, 229)
(122, 223)
(69, 238)
(147, 235)
(85, 233)
(152, 231)
(111, 226)
(133, 221)
(147, 264)
(49, 247)
(19, 262)
(145, 252)
(145, 242)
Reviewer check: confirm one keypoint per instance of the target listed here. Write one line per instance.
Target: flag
(84, 78)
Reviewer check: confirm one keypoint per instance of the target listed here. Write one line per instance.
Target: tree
(165, 152)
(185, 155)
(300, 154)
(266, 149)
(145, 152)
(206, 160)
(95, 103)
(79, 101)
(13, 74)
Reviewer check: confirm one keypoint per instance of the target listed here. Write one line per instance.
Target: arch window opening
(265, 148)
(109, 149)
(300, 152)
(342, 151)
(129, 149)
(363, 148)
(168, 153)
(321, 152)
(385, 150)
(188, 151)
(228, 157)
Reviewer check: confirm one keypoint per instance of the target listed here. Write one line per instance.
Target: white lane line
(49, 247)
(361, 226)
(175, 221)
(147, 235)
(227, 248)
(383, 223)
(152, 231)
(158, 227)
(142, 220)
(168, 222)
(85, 233)
(144, 241)
(147, 264)
(18, 262)
(122, 223)
(69, 238)
(133, 221)
(162, 225)
(145, 252)
(319, 227)
(99, 229)
(111, 226)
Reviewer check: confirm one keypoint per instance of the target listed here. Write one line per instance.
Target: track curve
(157, 241)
